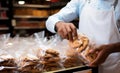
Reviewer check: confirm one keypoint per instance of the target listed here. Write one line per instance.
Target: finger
(62, 32)
(97, 52)
(68, 29)
(95, 63)
(70, 36)
(92, 51)
(74, 29)
(92, 65)
(99, 59)
(65, 33)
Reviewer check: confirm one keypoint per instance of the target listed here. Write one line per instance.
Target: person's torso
(102, 5)
(98, 20)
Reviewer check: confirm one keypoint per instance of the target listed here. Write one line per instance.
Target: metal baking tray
(76, 70)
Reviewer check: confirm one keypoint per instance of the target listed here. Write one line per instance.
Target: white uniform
(97, 22)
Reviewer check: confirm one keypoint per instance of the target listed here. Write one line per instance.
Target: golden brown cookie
(71, 53)
(85, 42)
(53, 52)
(75, 43)
(88, 57)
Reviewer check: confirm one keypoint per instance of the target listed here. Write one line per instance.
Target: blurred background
(25, 17)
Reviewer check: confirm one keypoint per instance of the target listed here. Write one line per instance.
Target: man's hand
(66, 30)
(102, 54)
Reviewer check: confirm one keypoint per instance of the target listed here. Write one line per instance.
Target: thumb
(95, 63)
(101, 57)
(93, 51)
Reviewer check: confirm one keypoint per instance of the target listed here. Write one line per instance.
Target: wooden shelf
(1, 9)
(4, 28)
(32, 6)
(4, 18)
(37, 22)
(32, 18)
(28, 17)
(28, 28)
(52, 5)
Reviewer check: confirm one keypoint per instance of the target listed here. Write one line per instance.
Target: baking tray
(76, 70)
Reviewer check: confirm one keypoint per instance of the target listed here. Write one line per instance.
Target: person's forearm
(115, 47)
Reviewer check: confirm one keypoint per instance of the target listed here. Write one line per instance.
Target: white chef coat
(73, 10)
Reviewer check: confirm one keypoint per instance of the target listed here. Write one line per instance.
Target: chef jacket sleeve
(66, 14)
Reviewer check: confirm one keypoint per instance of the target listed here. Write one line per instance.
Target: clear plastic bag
(49, 55)
(7, 62)
(26, 56)
(22, 49)
(38, 54)
(70, 58)
(83, 45)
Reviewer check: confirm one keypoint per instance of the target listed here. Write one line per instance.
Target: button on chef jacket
(73, 10)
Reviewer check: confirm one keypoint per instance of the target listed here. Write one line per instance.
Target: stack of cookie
(51, 60)
(29, 64)
(82, 46)
(72, 59)
(79, 43)
(7, 61)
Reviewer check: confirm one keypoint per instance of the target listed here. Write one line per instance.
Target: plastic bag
(49, 55)
(22, 49)
(7, 62)
(70, 58)
(83, 45)
(26, 56)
